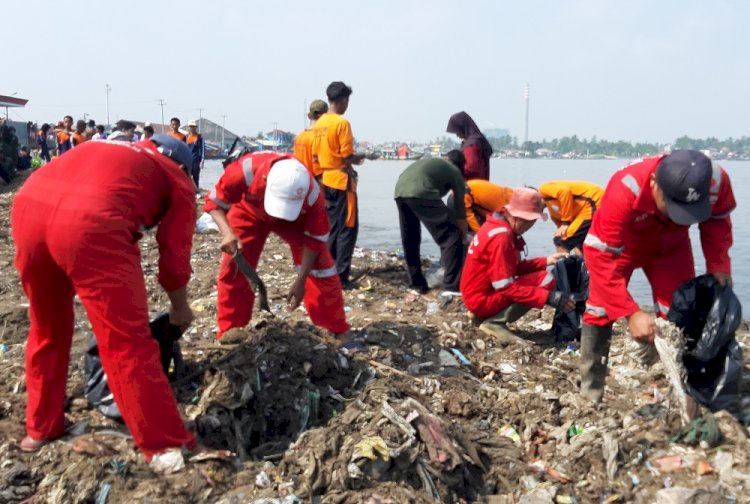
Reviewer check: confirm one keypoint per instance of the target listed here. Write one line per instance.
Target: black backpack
(572, 277)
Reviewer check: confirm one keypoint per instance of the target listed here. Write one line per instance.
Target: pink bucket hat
(526, 203)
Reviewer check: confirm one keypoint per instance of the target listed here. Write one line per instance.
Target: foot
(349, 285)
(29, 444)
(450, 293)
(349, 345)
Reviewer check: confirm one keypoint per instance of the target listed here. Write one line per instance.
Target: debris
(168, 462)
(511, 433)
(670, 463)
(372, 447)
(262, 480)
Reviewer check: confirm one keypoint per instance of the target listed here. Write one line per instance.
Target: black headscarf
(462, 123)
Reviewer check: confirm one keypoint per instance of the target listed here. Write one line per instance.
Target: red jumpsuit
(494, 275)
(628, 232)
(240, 192)
(76, 223)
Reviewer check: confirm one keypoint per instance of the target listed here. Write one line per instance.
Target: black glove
(557, 299)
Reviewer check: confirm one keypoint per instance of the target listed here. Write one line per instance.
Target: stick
(388, 368)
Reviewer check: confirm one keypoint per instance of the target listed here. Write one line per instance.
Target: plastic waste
(571, 277)
(372, 447)
(262, 480)
(709, 314)
(511, 433)
(206, 224)
(432, 308)
(168, 462)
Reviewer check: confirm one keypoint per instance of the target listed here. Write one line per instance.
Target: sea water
(379, 227)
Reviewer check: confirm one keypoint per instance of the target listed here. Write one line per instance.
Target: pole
(223, 130)
(107, 89)
(275, 141)
(526, 119)
(161, 104)
(200, 118)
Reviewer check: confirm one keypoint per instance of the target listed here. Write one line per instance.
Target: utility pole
(526, 118)
(161, 104)
(200, 118)
(223, 131)
(107, 89)
(275, 140)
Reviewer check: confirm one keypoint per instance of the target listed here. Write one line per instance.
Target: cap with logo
(526, 203)
(684, 176)
(287, 185)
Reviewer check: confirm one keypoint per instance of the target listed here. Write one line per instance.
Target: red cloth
(240, 192)
(76, 222)
(495, 276)
(629, 232)
(476, 166)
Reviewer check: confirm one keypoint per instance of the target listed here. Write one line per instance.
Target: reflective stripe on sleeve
(596, 310)
(547, 279)
(594, 242)
(314, 193)
(219, 202)
(661, 308)
(632, 184)
(496, 231)
(499, 284)
(323, 237)
(320, 273)
(715, 178)
(247, 170)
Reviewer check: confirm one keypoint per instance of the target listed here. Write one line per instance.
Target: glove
(558, 300)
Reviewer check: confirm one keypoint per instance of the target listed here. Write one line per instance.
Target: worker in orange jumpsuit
(264, 192)
(647, 210)
(79, 135)
(174, 130)
(76, 222)
(481, 199)
(304, 140)
(571, 206)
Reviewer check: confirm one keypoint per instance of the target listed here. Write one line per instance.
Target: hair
(175, 119)
(100, 128)
(80, 122)
(24, 149)
(45, 127)
(148, 128)
(337, 90)
(122, 125)
(68, 117)
(456, 157)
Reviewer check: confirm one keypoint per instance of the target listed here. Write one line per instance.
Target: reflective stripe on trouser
(323, 297)
(492, 304)
(664, 273)
(104, 269)
(341, 207)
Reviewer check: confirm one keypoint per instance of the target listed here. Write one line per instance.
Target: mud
(435, 411)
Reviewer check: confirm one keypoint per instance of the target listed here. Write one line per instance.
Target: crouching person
(76, 223)
(498, 286)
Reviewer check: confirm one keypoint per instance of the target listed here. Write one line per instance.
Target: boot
(497, 326)
(595, 342)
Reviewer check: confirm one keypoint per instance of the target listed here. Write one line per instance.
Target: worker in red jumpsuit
(76, 223)
(264, 192)
(643, 222)
(497, 285)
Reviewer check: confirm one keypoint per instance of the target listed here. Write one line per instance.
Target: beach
(434, 411)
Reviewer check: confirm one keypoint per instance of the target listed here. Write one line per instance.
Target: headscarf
(461, 122)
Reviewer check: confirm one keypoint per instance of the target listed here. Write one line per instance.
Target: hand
(642, 326)
(723, 278)
(561, 301)
(561, 230)
(296, 294)
(230, 243)
(181, 316)
(556, 257)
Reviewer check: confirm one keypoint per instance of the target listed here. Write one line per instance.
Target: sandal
(30, 445)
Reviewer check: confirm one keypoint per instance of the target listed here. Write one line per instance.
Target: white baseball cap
(287, 185)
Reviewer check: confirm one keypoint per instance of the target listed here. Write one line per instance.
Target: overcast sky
(641, 70)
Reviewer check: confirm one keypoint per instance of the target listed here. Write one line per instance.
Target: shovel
(254, 280)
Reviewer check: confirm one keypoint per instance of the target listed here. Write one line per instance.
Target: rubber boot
(595, 342)
(497, 326)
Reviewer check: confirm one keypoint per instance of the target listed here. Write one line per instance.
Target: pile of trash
(433, 411)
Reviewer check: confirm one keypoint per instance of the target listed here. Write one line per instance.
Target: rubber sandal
(30, 445)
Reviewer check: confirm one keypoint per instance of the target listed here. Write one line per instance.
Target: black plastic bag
(709, 315)
(97, 391)
(571, 277)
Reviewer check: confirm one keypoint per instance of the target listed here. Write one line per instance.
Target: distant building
(277, 140)
(496, 132)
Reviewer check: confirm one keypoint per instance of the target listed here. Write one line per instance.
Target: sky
(641, 70)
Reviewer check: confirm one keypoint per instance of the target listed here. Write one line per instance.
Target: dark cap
(337, 90)
(317, 107)
(684, 176)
